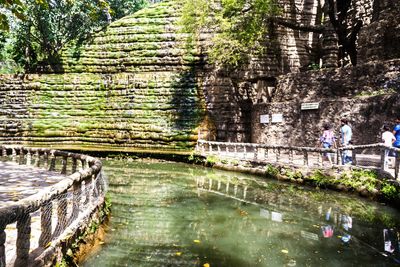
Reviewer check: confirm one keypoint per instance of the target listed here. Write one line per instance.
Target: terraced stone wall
(139, 84)
(142, 110)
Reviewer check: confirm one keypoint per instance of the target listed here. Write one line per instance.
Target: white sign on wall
(309, 105)
(277, 118)
(264, 118)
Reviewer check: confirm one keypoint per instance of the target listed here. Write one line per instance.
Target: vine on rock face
(238, 26)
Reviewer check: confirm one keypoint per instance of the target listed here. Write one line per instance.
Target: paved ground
(19, 181)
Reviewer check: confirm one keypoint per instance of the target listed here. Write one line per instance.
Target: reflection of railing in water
(61, 208)
(307, 156)
(334, 223)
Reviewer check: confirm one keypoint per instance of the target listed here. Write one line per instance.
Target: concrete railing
(59, 207)
(363, 156)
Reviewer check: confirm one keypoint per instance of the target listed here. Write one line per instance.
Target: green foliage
(48, 26)
(15, 7)
(389, 191)
(360, 178)
(240, 26)
(211, 160)
(271, 170)
(321, 179)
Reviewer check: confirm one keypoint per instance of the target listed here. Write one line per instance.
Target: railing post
(46, 213)
(74, 165)
(306, 162)
(209, 148)
(83, 164)
(290, 156)
(52, 161)
(265, 153)
(255, 153)
(46, 159)
(21, 156)
(320, 158)
(244, 152)
(339, 156)
(28, 157)
(13, 154)
(37, 158)
(383, 159)
(3, 151)
(277, 154)
(64, 165)
(354, 157)
(219, 149)
(23, 240)
(396, 165)
(235, 151)
(2, 247)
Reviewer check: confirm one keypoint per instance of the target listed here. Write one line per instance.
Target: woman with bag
(328, 140)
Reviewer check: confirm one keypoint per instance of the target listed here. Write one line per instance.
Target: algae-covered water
(171, 214)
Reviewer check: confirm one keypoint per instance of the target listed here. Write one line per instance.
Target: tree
(15, 7)
(240, 26)
(49, 25)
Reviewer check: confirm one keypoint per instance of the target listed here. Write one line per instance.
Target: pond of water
(171, 214)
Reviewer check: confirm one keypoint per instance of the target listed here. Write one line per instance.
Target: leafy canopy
(239, 26)
(45, 27)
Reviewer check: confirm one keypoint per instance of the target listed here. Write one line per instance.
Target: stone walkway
(19, 181)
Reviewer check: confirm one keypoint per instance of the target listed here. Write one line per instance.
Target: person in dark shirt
(396, 132)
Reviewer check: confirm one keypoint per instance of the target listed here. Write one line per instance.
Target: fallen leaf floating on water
(178, 253)
(196, 241)
(285, 251)
(206, 265)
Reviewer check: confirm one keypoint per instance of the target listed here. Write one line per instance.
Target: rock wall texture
(139, 84)
(367, 95)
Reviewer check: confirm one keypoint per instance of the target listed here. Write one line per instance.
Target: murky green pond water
(171, 214)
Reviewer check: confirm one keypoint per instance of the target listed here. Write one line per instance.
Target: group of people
(328, 139)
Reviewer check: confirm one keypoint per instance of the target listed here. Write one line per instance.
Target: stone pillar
(23, 240)
(64, 165)
(2, 247)
(74, 165)
(52, 162)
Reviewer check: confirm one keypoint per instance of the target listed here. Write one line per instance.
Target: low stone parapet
(54, 214)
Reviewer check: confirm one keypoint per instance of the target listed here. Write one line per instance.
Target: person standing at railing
(328, 140)
(396, 132)
(388, 139)
(345, 135)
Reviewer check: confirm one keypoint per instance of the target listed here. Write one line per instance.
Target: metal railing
(59, 208)
(375, 156)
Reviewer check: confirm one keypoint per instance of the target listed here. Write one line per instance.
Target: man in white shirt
(388, 139)
(345, 136)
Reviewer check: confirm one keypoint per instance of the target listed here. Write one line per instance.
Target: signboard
(309, 105)
(277, 118)
(264, 118)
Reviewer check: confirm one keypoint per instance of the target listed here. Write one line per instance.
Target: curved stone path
(19, 181)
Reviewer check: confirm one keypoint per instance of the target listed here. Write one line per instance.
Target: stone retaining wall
(138, 84)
